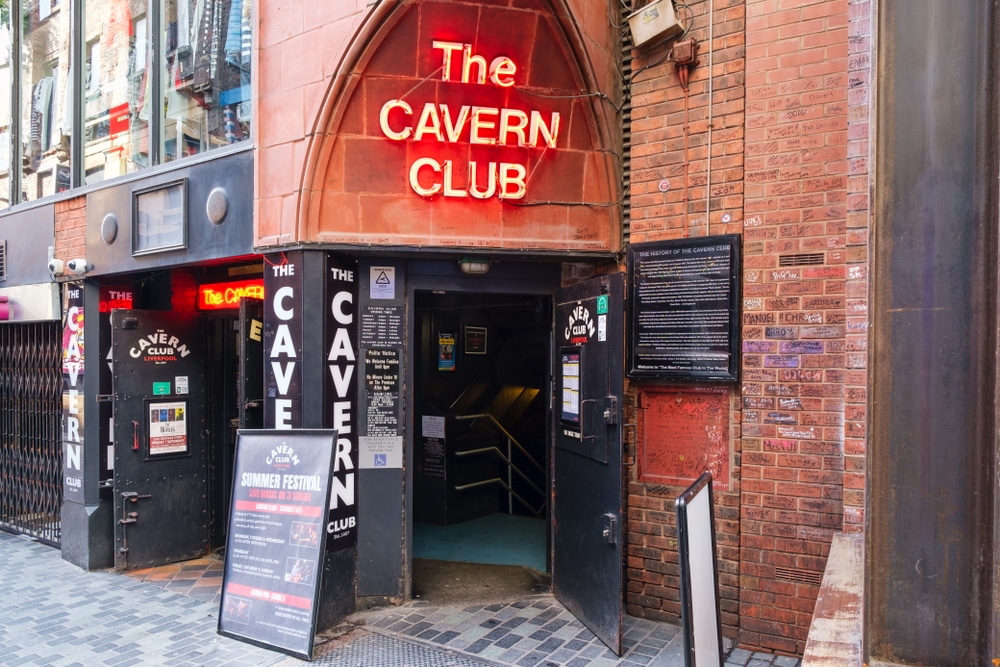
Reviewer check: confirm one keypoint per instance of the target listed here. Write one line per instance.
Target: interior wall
(497, 365)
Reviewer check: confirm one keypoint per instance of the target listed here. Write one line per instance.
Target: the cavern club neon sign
(476, 125)
(219, 296)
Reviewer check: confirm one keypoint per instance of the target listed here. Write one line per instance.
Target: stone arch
(355, 186)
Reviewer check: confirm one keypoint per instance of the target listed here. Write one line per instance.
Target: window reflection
(203, 77)
(46, 108)
(115, 88)
(5, 105)
(206, 75)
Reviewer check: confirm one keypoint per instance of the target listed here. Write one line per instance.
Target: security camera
(78, 266)
(57, 267)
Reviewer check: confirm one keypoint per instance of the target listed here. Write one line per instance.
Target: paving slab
(54, 613)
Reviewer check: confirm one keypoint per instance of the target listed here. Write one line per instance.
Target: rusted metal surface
(934, 359)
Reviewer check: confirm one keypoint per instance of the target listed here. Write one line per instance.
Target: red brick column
(858, 220)
(677, 139)
(71, 228)
(795, 312)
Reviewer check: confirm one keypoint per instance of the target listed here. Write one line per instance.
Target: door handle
(610, 532)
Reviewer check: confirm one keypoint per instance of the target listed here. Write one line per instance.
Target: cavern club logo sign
(159, 348)
(430, 123)
(580, 325)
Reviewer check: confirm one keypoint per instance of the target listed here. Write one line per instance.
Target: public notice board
(684, 309)
(277, 534)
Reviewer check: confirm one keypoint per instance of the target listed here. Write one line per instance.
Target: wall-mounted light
(474, 266)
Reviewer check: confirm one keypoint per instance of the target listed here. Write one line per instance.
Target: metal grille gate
(30, 425)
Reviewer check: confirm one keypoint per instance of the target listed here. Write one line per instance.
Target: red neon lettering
(228, 295)
(487, 126)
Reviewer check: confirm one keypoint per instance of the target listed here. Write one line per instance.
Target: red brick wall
(797, 195)
(789, 151)
(71, 228)
(858, 221)
(671, 142)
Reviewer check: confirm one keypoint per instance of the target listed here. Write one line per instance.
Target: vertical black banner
(72, 393)
(283, 341)
(113, 297)
(341, 344)
(274, 548)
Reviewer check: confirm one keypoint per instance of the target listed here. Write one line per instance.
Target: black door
(160, 457)
(251, 387)
(587, 461)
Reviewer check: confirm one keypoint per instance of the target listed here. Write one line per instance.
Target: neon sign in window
(221, 296)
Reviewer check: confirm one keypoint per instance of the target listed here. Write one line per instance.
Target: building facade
(422, 223)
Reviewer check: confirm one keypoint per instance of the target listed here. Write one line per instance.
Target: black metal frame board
(700, 615)
(277, 537)
(684, 309)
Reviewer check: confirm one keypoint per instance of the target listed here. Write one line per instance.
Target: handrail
(497, 480)
(506, 460)
(506, 434)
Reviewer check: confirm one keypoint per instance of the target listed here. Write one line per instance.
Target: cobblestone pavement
(53, 613)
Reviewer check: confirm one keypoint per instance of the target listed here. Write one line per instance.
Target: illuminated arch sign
(476, 126)
(222, 296)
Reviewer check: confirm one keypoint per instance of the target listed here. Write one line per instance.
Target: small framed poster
(570, 413)
(167, 427)
(159, 218)
(475, 340)
(446, 351)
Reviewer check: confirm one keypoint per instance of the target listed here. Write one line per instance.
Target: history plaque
(684, 309)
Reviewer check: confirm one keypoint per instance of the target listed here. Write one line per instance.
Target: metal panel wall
(934, 351)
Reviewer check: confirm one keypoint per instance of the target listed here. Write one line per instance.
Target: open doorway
(481, 480)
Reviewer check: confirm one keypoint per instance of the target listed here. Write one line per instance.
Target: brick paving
(53, 613)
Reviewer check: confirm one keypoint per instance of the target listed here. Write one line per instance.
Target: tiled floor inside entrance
(200, 578)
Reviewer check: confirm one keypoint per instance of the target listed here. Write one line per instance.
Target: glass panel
(206, 75)
(46, 114)
(5, 104)
(116, 116)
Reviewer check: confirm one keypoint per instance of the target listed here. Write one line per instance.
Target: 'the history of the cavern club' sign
(443, 123)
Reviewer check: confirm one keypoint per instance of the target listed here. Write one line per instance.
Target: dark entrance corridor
(481, 413)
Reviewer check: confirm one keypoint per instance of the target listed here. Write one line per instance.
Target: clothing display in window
(39, 134)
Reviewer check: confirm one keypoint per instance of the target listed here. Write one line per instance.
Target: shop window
(115, 109)
(46, 109)
(205, 75)
(6, 115)
(201, 84)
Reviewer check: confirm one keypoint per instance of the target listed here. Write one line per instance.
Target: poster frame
(264, 440)
(161, 402)
(701, 617)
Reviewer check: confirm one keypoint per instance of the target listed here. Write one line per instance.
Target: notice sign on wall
(277, 535)
(684, 309)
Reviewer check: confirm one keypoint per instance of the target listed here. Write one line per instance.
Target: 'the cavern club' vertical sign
(283, 342)
(72, 393)
(342, 398)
